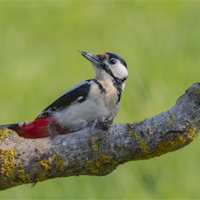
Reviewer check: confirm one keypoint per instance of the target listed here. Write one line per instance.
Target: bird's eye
(112, 61)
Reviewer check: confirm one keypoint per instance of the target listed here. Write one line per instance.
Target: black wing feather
(78, 94)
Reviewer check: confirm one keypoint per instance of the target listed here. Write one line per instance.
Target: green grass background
(160, 42)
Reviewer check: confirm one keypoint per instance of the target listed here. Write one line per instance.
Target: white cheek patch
(119, 71)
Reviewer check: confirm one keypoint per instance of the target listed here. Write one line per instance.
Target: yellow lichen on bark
(168, 146)
(171, 124)
(135, 137)
(100, 165)
(95, 147)
(129, 132)
(14, 152)
(3, 134)
(105, 134)
(93, 139)
(143, 146)
(192, 131)
(45, 164)
(22, 175)
(10, 170)
(58, 160)
(41, 178)
(7, 164)
(174, 119)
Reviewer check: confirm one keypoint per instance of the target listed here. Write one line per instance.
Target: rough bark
(25, 161)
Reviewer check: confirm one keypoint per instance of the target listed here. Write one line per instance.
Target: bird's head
(108, 65)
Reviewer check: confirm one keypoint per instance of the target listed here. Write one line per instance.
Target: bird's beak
(94, 59)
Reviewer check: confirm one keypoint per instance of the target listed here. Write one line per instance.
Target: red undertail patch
(35, 129)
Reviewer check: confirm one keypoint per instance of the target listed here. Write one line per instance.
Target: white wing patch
(79, 98)
(23, 123)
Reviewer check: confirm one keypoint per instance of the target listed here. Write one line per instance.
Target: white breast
(96, 106)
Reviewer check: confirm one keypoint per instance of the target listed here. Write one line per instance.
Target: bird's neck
(108, 80)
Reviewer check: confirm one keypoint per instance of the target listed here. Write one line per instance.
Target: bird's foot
(103, 123)
(93, 126)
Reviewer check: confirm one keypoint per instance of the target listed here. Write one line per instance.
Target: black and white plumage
(92, 100)
(76, 94)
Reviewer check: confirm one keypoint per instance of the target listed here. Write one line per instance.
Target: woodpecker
(87, 103)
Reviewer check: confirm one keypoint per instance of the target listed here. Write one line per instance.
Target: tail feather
(40, 128)
(32, 130)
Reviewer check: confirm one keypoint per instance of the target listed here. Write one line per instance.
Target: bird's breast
(110, 97)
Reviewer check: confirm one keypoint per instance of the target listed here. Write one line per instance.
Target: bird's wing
(76, 94)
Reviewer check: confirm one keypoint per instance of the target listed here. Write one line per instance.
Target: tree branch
(25, 161)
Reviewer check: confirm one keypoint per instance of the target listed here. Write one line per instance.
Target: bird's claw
(104, 123)
(93, 126)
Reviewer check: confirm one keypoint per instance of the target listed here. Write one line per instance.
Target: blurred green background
(160, 41)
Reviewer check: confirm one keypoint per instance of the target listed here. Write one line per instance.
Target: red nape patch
(35, 129)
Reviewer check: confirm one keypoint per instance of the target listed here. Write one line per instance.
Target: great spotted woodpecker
(84, 104)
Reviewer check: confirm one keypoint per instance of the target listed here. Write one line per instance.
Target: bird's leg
(93, 125)
(105, 122)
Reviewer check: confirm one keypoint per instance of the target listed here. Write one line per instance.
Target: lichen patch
(41, 178)
(135, 137)
(58, 161)
(14, 152)
(93, 139)
(95, 147)
(101, 165)
(173, 119)
(3, 134)
(12, 173)
(8, 165)
(167, 146)
(143, 146)
(46, 164)
(105, 134)
(129, 132)
(192, 130)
